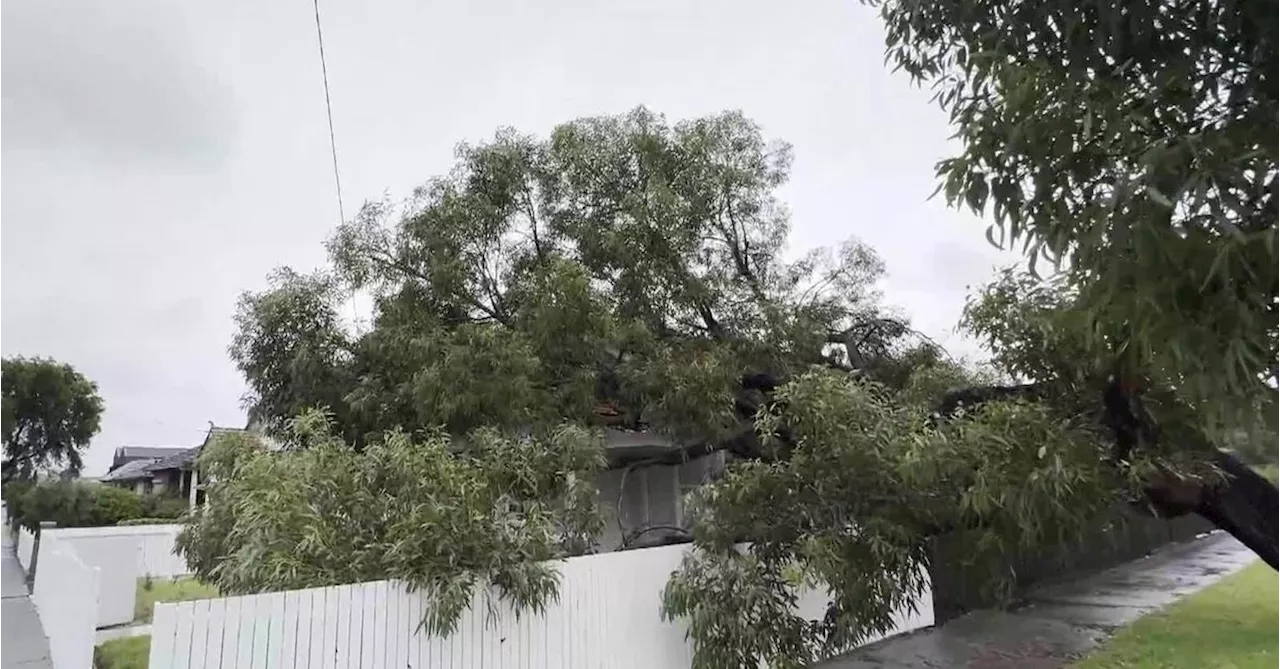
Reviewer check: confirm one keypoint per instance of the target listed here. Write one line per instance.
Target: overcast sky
(161, 157)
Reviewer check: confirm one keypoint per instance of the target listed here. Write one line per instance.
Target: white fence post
(66, 599)
(26, 548)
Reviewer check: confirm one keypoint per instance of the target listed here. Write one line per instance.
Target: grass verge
(1230, 625)
(126, 653)
(178, 590)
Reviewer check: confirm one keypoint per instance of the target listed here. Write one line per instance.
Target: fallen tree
(1131, 146)
(1231, 495)
(628, 272)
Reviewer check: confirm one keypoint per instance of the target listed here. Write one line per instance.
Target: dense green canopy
(1135, 144)
(623, 270)
(51, 411)
(630, 273)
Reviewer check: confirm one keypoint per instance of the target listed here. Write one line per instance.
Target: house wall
(640, 497)
(166, 481)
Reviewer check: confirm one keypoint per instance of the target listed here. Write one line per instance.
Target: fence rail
(607, 616)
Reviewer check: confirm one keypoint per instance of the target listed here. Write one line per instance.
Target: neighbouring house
(129, 467)
(641, 494)
(161, 471)
(175, 475)
(178, 472)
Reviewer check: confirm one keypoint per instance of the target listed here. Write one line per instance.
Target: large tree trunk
(1245, 505)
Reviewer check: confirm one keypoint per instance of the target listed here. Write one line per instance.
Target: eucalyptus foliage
(1135, 145)
(870, 481)
(631, 273)
(452, 525)
(622, 267)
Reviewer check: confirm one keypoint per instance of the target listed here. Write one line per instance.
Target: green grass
(179, 590)
(1269, 471)
(126, 653)
(1230, 625)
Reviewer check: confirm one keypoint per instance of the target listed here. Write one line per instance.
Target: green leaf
(1158, 197)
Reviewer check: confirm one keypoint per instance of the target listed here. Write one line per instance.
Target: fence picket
(197, 655)
(164, 623)
(184, 630)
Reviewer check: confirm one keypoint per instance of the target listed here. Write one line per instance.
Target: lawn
(1231, 625)
(131, 652)
(126, 653)
(178, 590)
(1269, 471)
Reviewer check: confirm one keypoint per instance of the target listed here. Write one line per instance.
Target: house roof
(175, 461)
(134, 469)
(622, 447)
(125, 453)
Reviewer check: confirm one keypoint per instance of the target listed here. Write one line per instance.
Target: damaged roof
(129, 471)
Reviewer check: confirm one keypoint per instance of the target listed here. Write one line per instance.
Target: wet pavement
(21, 636)
(1059, 623)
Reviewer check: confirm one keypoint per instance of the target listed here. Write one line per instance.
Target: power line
(333, 143)
(328, 108)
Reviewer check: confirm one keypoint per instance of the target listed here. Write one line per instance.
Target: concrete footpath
(1059, 623)
(22, 643)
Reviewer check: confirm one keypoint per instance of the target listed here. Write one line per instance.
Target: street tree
(630, 273)
(1131, 149)
(622, 271)
(51, 411)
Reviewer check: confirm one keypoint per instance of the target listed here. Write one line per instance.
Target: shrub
(77, 504)
(147, 521)
(111, 505)
(403, 507)
(164, 506)
(13, 493)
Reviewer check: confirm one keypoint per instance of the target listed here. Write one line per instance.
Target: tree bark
(1244, 504)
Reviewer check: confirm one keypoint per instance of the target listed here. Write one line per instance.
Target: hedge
(148, 521)
(84, 504)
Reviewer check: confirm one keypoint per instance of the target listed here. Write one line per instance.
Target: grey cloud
(142, 193)
(109, 84)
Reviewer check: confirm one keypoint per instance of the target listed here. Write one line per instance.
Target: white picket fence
(607, 616)
(155, 555)
(66, 598)
(26, 546)
(87, 578)
(115, 555)
(123, 555)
